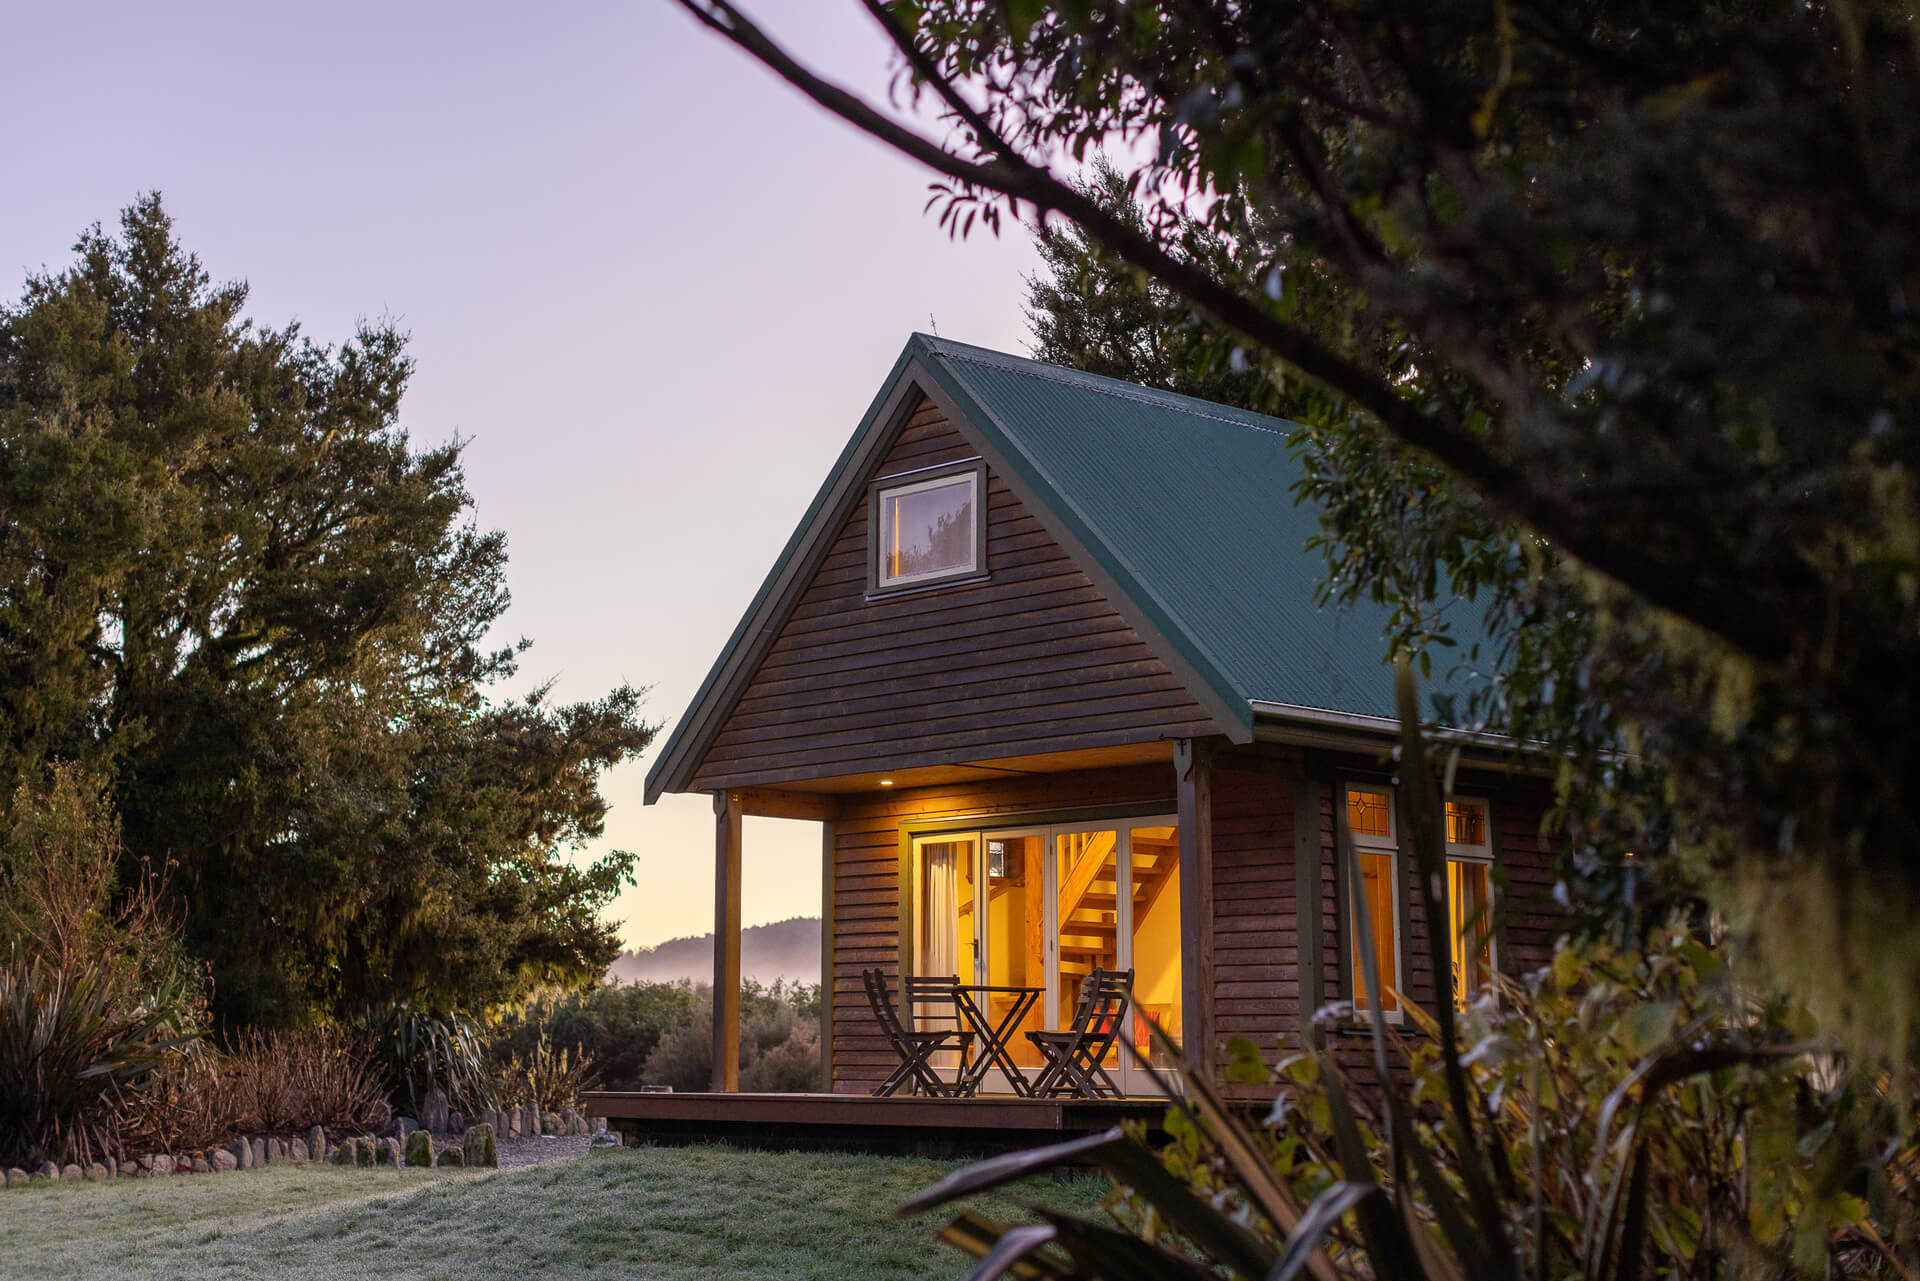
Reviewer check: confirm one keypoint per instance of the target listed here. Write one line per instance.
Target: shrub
(616, 1025)
(775, 1026)
(189, 1105)
(791, 1066)
(72, 1050)
(287, 1081)
(94, 987)
(419, 1050)
(550, 1079)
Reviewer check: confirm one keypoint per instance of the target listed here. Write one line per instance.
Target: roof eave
(687, 745)
(1275, 722)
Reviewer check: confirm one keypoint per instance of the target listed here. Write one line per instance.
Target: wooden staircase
(1088, 907)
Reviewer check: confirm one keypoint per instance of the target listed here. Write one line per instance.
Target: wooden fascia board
(1156, 625)
(845, 487)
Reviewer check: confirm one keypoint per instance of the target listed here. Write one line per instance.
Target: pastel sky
(652, 286)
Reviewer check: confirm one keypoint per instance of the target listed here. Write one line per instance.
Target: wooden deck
(862, 1123)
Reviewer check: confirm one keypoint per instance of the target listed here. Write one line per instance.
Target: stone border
(409, 1144)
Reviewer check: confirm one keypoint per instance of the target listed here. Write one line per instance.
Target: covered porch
(1021, 872)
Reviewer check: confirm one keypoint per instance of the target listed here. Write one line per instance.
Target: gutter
(1320, 727)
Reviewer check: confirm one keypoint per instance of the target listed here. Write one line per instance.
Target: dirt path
(515, 1153)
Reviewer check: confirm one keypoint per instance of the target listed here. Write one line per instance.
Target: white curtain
(939, 953)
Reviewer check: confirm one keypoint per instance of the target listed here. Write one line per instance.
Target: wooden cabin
(1044, 658)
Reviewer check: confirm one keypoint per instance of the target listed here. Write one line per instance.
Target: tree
(231, 585)
(1635, 280)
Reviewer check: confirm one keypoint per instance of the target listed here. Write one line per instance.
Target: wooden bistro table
(994, 1034)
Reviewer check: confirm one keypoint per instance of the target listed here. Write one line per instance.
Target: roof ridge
(1104, 386)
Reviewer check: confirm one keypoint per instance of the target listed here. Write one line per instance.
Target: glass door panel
(1154, 863)
(1015, 922)
(1086, 915)
(949, 930)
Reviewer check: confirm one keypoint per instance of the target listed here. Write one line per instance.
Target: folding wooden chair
(1075, 1058)
(917, 1046)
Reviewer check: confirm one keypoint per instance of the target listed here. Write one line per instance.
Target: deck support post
(726, 943)
(1193, 774)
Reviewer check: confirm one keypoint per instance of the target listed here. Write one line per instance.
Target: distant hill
(783, 950)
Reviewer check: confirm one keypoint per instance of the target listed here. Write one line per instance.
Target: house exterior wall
(1032, 660)
(1258, 924)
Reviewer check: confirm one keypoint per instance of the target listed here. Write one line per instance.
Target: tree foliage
(1621, 295)
(232, 585)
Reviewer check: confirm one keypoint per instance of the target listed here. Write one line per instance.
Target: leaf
(1647, 1026)
(1327, 1209)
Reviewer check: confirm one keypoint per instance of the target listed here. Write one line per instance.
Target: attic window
(928, 526)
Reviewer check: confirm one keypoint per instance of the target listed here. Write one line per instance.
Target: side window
(1373, 903)
(1469, 896)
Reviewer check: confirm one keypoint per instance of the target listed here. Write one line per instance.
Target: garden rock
(71, 1173)
(451, 1157)
(363, 1152)
(259, 1151)
(481, 1149)
(317, 1143)
(390, 1153)
(403, 1126)
(420, 1149)
(97, 1173)
(242, 1154)
(162, 1163)
(550, 1123)
(129, 1170)
(456, 1123)
(224, 1161)
(17, 1177)
(530, 1121)
(342, 1155)
(297, 1151)
(200, 1165)
(604, 1139)
(47, 1170)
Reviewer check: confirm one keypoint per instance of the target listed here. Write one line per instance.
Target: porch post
(1309, 889)
(827, 847)
(726, 943)
(1193, 772)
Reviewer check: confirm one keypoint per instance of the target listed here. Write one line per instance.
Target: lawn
(664, 1214)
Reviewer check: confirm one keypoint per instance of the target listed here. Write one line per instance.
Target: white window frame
(972, 474)
(1462, 852)
(1390, 846)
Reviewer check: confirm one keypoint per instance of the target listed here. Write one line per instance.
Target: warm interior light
(886, 782)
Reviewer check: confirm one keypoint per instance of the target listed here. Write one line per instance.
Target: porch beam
(726, 943)
(771, 802)
(1193, 777)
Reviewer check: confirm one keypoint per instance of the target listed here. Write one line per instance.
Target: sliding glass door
(1042, 908)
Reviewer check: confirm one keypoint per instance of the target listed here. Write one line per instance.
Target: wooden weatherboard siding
(1032, 659)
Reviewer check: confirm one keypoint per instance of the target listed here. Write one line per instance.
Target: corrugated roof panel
(1193, 504)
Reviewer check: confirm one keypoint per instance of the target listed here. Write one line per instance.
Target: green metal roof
(1190, 506)
(1182, 509)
